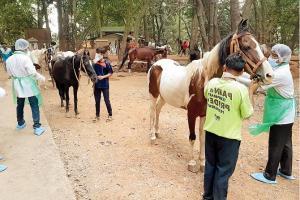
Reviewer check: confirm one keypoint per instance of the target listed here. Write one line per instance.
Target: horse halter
(235, 47)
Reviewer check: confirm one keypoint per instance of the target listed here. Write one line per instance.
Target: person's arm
(32, 71)
(277, 80)
(109, 73)
(246, 106)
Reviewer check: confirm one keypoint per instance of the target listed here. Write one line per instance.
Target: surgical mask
(273, 62)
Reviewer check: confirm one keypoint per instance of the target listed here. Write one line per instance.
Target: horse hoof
(157, 135)
(202, 167)
(192, 166)
(153, 141)
(68, 115)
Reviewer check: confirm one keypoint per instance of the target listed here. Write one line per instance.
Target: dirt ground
(115, 160)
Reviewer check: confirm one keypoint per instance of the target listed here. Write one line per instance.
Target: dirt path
(114, 160)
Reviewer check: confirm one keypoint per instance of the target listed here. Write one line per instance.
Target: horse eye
(245, 48)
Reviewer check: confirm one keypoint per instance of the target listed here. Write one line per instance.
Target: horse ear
(243, 26)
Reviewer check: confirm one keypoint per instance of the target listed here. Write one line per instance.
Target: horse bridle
(235, 47)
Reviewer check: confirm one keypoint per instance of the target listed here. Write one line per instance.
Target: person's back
(228, 104)
(19, 65)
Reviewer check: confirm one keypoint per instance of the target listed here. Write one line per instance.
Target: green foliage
(15, 17)
(272, 21)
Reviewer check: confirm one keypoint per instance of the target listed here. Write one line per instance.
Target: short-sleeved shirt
(101, 71)
(228, 103)
(5, 54)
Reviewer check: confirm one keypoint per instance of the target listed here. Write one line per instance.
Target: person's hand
(43, 78)
(254, 85)
(2, 92)
(100, 77)
(252, 89)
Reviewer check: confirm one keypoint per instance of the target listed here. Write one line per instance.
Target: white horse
(183, 87)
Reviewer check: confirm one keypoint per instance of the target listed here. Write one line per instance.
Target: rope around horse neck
(80, 66)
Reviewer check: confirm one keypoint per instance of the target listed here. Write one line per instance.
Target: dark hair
(235, 62)
(194, 55)
(99, 50)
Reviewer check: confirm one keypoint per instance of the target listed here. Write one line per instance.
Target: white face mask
(273, 62)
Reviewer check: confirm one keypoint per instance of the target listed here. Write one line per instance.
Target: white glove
(40, 77)
(2, 92)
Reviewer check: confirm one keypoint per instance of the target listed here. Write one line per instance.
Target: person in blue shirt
(5, 53)
(103, 70)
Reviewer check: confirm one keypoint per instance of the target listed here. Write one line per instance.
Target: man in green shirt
(228, 104)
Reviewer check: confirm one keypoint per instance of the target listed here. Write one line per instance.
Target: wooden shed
(42, 35)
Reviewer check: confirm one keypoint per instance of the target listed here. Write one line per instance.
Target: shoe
(109, 118)
(97, 118)
(20, 127)
(285, 176)
(2, 168)
(39, 131)
(260, 177)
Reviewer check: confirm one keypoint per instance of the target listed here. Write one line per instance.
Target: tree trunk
(40, 14)
(234, 14)
(217, 36)
(262, 23)
(45, 13)
(194, 30)
(61, 37)
(201, 21)
(247, 9)
(294, 42)
(146, 33)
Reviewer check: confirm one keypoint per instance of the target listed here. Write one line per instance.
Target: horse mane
(224, 49)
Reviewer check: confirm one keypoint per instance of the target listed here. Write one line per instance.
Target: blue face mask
(273, 62)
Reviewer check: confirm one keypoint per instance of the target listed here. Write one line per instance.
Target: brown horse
(146, 54)
(183, 87)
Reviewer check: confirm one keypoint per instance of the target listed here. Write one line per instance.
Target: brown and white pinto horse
(183, 87)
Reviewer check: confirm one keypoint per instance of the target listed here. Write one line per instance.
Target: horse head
(85, 66)
(257, 64)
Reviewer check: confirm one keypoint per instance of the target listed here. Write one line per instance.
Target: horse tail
(124, 59)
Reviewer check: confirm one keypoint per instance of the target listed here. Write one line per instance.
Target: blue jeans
(97, 95)
(221, 155)
(34, 104)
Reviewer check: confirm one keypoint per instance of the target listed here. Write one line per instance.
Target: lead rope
(75, 71)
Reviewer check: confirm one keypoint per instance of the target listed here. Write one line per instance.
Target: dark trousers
(280, 151)
(97, 95)
(34, 104)
(221, 155)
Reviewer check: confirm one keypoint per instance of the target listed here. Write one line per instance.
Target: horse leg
(61, 94)
(160, 103)
(124, 60)
(148, 65)
(129, 66)
(67, 98)
(75, 89)
(202, 144)
(192, 165)
(153, 101)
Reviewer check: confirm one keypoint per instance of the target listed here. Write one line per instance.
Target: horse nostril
(268, 75)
